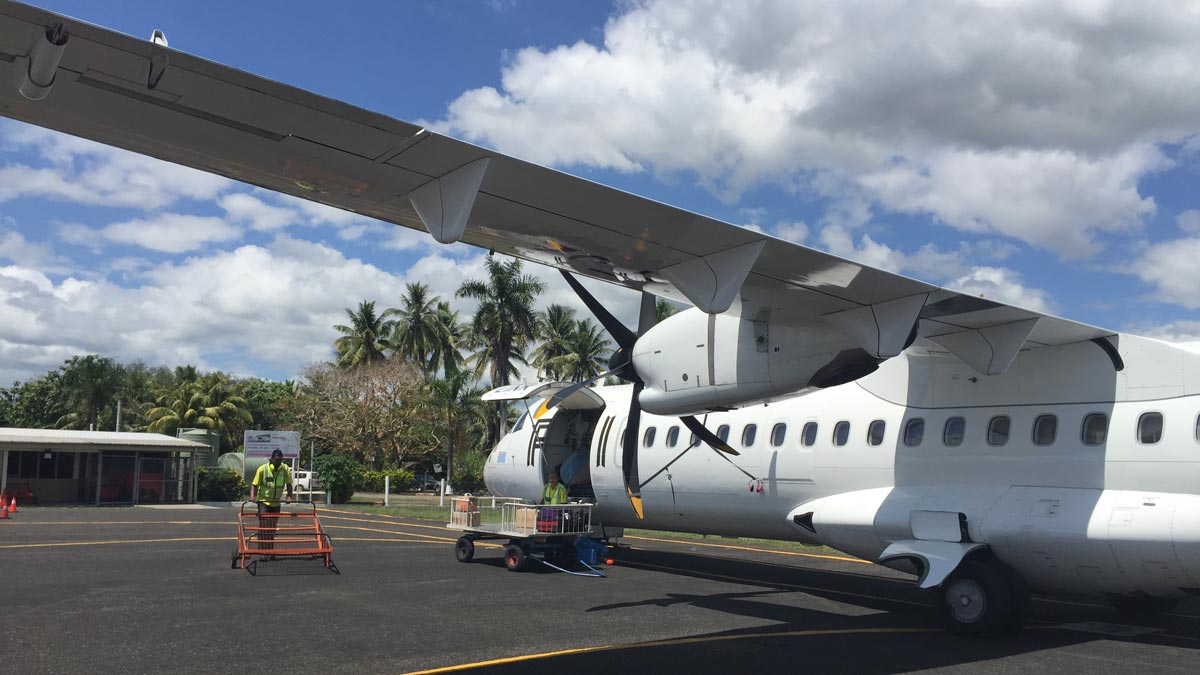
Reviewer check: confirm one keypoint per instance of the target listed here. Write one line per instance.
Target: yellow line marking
(755, 550)
(775, 584)
(115, 541)
(123, 522)
(411, 534)
(391, 517)
(670, 643)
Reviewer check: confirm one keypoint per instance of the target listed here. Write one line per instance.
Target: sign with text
(263, 443)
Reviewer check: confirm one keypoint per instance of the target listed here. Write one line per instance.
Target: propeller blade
(624, 337)
(563, 394)
(707, 436)
(629, 452)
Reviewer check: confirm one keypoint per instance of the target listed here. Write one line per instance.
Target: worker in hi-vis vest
(267, 488)
(554, 492)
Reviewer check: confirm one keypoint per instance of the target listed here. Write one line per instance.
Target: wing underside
(148, 98)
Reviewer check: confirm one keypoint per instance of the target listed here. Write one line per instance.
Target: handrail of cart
(309, 505)
(543, 519)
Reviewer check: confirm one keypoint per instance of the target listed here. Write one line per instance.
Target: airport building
(100, 467)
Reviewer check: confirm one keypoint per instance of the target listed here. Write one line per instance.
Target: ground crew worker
(554, 492)
(266, 490)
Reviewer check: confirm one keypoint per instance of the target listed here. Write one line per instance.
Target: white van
(304, 481)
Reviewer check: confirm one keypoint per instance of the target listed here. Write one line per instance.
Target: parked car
(305, 481)
(425, 482)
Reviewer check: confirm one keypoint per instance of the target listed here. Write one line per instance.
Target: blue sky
(1040, 155)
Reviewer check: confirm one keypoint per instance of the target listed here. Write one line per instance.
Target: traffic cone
(3, 513)
(13, 507)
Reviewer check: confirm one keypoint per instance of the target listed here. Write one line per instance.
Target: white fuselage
(1113, 514)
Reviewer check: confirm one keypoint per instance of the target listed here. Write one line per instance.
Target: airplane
(991, 450)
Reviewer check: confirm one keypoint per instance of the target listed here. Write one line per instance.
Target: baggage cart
(292, 533)
(535, 532)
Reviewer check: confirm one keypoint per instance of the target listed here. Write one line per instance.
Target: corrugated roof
(97, 440)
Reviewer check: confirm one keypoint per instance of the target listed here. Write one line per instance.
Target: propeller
(620, 364)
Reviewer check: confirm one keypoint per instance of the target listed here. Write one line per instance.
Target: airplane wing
(143, 96)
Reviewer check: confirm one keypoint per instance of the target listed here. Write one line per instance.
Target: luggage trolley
(553, 532)
(288, 534)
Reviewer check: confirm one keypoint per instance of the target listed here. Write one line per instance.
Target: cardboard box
(476, 519)
(526, 519)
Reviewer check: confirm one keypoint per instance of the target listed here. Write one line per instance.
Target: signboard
(263, 443)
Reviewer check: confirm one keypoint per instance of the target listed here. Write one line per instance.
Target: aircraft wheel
(514, 557)
(1142, 605)
(464, 549)
(977, 600)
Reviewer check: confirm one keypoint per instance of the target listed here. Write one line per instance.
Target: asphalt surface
(144, 590)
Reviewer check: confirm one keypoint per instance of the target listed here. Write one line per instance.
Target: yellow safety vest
(271, 483)
(552, 494)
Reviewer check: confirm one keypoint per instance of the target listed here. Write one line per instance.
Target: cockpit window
(520, 421)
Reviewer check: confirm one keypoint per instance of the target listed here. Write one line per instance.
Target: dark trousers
(266, 537)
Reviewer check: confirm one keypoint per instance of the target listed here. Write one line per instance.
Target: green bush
(468, 472)
(219, 485)
(373, 480)
(340, 475)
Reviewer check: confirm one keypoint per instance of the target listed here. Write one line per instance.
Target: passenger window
(1045, 429)
(1150, 427)
(648, 437)
(693, 441)
(748, 434)
(875, 432)
(841, 433)
(672, 436)
(998, 429)
(808, 437)
(778, 434)
(723, 433)
(953, 432)
(914, 432)
(1095, 428)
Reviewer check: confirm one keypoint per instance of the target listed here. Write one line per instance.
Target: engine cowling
(694, 362)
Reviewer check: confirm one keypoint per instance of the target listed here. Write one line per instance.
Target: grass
(441, 514)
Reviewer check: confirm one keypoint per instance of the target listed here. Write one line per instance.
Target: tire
(233, 559)
(464, 550)
(977, 599)
(1142, 605)
(1022, 599)
(514, 558)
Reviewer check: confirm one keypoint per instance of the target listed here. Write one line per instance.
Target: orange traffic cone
(13, 507)
(3, 513)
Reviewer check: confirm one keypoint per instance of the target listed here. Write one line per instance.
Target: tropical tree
(587, 354)
(416, 332)
(363, 340)
(209, 403)
(505, 322)
(450, 336)
(91, 384)
(556, 328)
(663, 309)
(459, 399)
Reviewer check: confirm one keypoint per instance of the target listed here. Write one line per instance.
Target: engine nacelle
(693, 361)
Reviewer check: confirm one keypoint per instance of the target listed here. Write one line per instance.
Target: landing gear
(983, 598)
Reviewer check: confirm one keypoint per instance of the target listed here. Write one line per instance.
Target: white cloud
(796, 231)
(1170, 268)
(243, 208)
(1002, 285)
(16, 248)
(1032, 120)
(1189, 221)
(171, 232)
(85, 172)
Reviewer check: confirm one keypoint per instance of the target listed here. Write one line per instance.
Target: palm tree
(91, 384)
(450, 335)
(209, 403)
(505, 322)
(555, 327)
(587, 354)
(663, 309)
(416, 333)
(362, 341)
(458, 397)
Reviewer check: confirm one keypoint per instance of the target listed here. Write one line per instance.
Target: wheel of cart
(514, 557)
(464, 549)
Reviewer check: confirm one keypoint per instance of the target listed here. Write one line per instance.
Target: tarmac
(150, 590)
